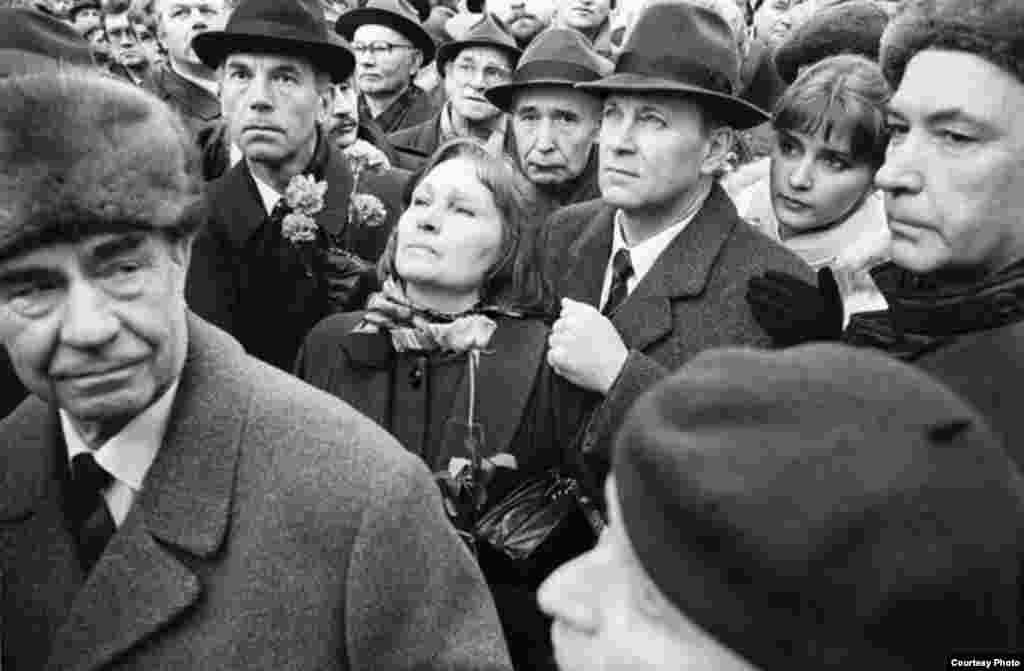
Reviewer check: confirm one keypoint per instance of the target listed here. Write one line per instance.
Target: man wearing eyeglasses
(130, 60)
(390, 46)
(485, 57)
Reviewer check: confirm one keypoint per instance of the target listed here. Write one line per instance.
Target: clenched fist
(585, 348)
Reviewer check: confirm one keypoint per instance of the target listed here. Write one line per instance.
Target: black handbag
(539, 525)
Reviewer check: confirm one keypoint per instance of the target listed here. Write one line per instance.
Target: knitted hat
(823, 507)
(990, 29)
(86, 153)
(32, 41)
(848, 28)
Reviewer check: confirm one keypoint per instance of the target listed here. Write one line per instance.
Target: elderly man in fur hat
(31, 41)
(169, 501)
(654, 271)
(954, 185)
(292, 231)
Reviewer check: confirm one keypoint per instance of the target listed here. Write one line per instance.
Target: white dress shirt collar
(642, 255)
(128, 454)
(268, 194)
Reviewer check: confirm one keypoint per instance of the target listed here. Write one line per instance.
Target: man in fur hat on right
(953, 178)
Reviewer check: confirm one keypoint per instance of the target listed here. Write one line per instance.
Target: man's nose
(567, 595)
(259, 94)
(900, 174)
(88, 320)
(545, 137)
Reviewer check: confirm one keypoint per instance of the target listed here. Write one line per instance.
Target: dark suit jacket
(413, 107)
(691, 300)
(228, 287)
(277, 529)
(196, 106)
(414, 145)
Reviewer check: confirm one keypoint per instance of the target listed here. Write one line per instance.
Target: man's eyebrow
(24, 275)
(116, 246)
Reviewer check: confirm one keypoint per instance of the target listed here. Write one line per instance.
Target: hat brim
(734, 111)
(503, 96)
(362, 16)
(215, 46)
(448, 51)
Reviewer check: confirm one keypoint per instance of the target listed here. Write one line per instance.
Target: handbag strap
(588, 494)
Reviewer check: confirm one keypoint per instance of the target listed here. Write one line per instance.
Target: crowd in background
(701, 318)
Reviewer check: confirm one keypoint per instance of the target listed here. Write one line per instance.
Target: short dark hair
(515, 281)
(843, 94)
(990, 29)
(82, 153)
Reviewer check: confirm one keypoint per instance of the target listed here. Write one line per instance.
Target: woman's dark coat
(525, 410)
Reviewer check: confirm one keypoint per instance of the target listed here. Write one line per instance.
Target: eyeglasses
(379, 48)
(492, 74)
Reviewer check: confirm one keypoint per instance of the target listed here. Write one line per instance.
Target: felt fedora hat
(31, 41)
(277, 26)
(484, 33)
(556, 57)
(399, 15)
(678, 48)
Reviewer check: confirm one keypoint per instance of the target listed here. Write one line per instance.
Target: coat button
(1006, 304)
(416, 375)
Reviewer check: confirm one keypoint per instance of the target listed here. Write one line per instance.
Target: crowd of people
(516, 334)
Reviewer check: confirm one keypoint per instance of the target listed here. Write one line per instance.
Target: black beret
(990, 29)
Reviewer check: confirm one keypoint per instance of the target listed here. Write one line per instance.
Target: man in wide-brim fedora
(554, 124)
(391, 47)
(255, 273)
(655, 270)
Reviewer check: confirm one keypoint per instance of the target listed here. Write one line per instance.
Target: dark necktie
(91, 521)
(622, 270)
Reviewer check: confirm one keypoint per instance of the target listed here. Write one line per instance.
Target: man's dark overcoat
(196, 106)
(250, 283)
(277, 529)
(692, 299)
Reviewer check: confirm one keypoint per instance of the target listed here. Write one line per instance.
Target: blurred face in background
(469, 74)
(86, 19)
(586, 16)
(180, 21)
(386, 61)
(523, 18)
(124, 45)
(97, 39)
(148, 41)
(343, 124)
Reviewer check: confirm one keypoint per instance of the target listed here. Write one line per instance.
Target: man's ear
(326, 99)
(717, 149)
(417, 63)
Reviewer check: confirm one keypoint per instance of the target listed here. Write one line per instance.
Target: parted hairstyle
(515, 280)
(990, 29)
(82, 153)
(844, 95)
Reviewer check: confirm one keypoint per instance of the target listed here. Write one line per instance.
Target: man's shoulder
(566, 224)
(747, 248)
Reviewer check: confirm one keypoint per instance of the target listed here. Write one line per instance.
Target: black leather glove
(792, 311)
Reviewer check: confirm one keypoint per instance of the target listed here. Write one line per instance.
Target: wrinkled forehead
(256, 61)
(974, 90)
(484, 57)
(374, 32)
(558, 97)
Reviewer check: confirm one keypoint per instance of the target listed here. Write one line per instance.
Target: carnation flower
(366, 209)
(298, 227)
(305, 194)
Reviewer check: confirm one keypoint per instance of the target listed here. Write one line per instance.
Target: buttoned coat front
(227, 284)
(692, 298)
(277, 529)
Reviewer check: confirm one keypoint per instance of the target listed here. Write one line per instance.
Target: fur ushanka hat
(848, 28)
(990, 29)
